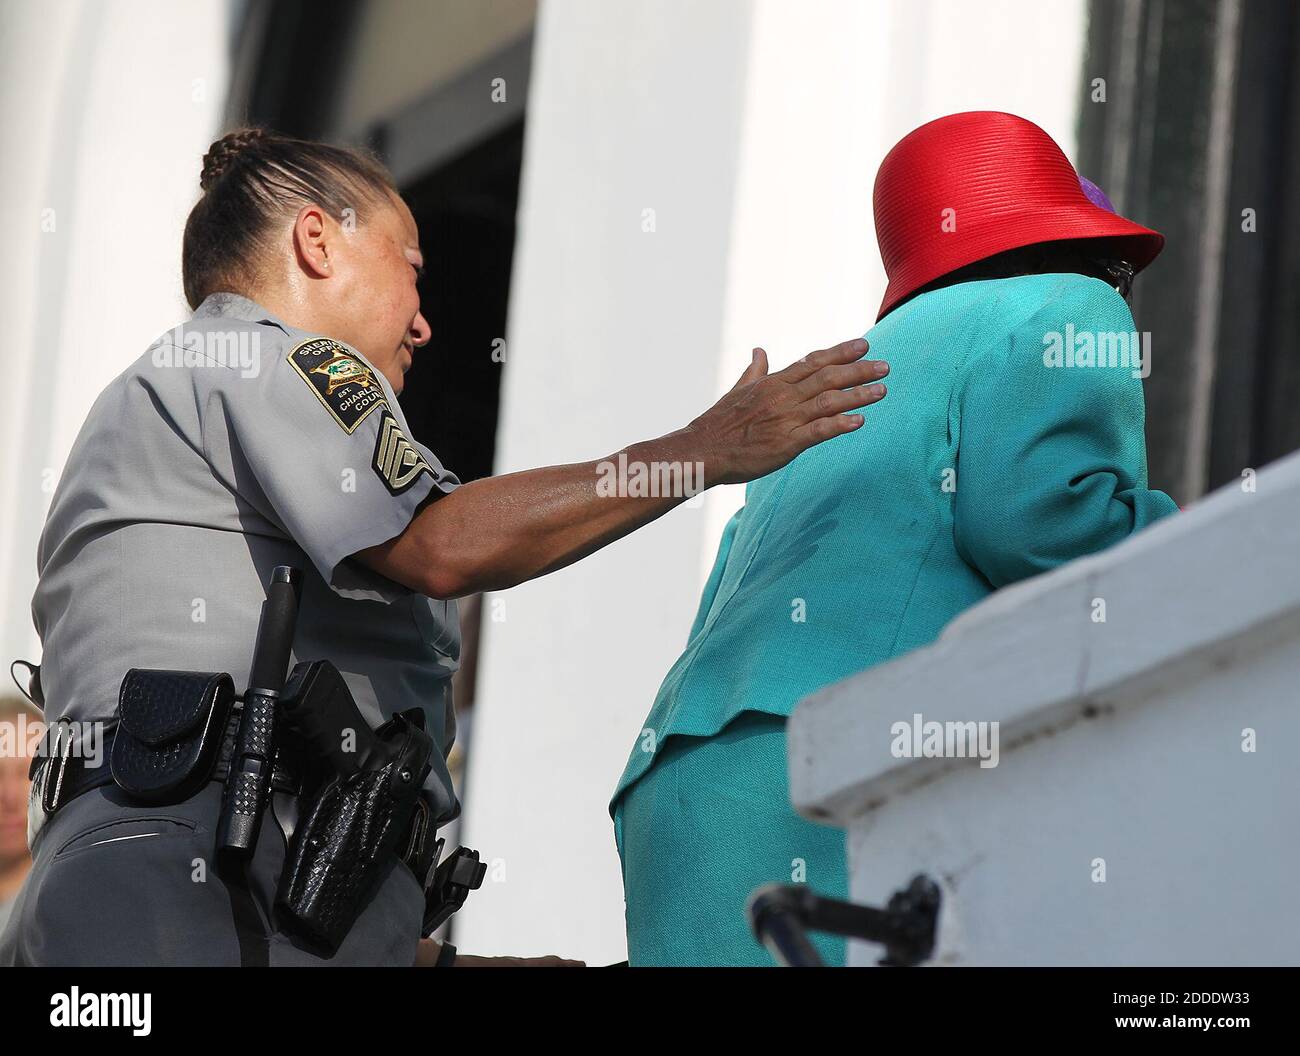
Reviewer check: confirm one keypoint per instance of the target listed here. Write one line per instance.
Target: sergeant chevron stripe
(397, 461)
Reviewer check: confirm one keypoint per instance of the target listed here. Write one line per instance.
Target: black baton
(248, 782)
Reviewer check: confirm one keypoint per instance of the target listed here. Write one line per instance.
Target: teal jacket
(989, 461)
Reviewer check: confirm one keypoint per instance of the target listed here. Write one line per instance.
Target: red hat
(969, 186)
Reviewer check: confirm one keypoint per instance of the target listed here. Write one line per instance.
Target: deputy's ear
(310, 241)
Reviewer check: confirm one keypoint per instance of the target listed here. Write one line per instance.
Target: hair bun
(224, 151)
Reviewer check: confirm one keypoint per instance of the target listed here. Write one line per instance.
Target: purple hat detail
(1095, 194)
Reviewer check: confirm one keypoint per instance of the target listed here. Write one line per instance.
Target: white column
(107, 109)
(614, 337)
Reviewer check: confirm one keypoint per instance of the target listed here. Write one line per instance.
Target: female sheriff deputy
(266, 432)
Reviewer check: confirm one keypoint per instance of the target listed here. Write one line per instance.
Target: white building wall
(106, 109)
(754, 131)
(614, 336)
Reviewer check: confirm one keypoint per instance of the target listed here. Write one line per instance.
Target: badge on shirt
(397, 461)
(343, 383)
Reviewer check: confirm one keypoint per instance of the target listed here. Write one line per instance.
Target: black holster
(366, 813)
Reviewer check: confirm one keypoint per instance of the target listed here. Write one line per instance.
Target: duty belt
(59, 773)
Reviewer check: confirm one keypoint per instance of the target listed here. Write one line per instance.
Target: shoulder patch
(345, 386)
(397, 461)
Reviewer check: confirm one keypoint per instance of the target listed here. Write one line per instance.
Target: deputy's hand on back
(768, 419)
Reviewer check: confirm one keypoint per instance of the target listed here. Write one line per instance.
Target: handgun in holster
(367, 813)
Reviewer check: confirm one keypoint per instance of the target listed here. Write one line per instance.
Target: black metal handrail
(781, 915)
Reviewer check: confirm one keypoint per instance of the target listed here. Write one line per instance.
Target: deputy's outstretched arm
(494, 533)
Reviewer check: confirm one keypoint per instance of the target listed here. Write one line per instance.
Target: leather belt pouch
(169, 733)
(349, 837)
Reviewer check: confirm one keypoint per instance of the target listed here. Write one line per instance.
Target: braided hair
(253, 178)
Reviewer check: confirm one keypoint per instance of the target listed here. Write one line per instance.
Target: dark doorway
(465, 211)
(1199, 137)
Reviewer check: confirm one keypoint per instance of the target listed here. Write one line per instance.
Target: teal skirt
(708, 823)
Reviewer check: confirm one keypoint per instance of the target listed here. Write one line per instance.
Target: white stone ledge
(1195, 592)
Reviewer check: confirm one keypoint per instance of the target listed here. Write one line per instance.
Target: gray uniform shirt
(234, 444)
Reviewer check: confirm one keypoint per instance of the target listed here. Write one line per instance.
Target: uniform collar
(233, 306)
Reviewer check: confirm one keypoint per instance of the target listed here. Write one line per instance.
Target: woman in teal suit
(1000, 455)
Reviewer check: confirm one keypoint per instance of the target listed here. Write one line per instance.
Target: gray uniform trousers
(117, 883)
